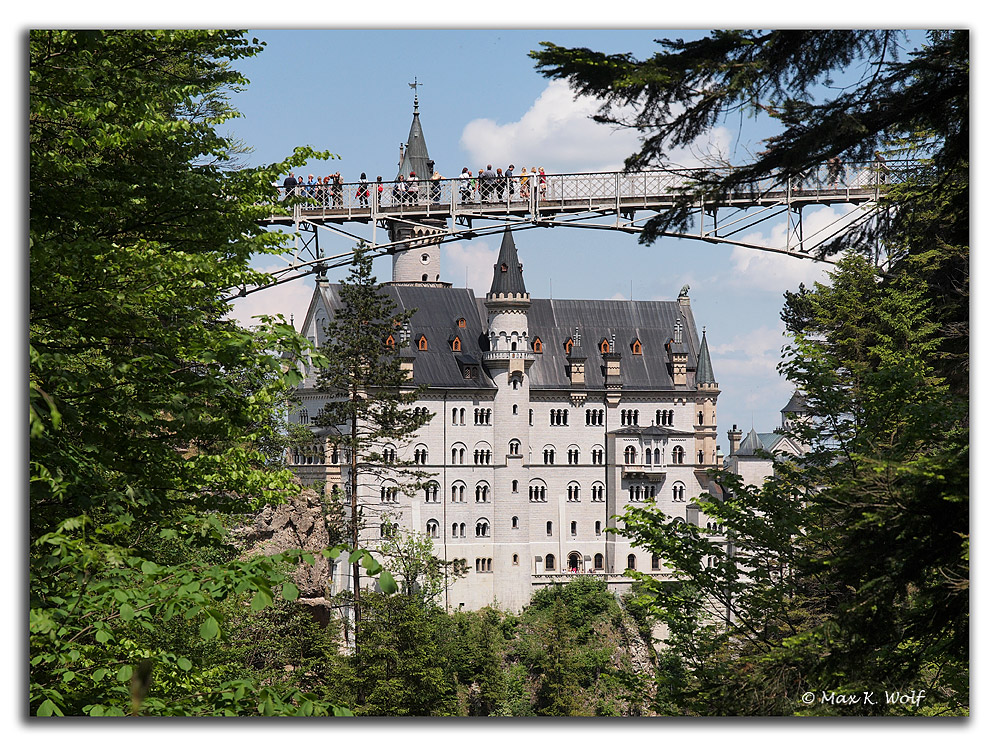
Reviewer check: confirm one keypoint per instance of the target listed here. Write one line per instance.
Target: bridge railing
(532, 190)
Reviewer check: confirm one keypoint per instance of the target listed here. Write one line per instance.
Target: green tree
(410, 557)
(851, 565)
(147, 404)
(369, 415)
(402, 668)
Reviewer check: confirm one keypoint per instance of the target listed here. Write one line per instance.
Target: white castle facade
(549, 418)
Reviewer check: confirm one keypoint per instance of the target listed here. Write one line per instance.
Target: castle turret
(418, 258)
(705, 407)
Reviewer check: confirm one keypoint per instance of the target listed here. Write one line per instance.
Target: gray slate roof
(508, 273)
(704, 374)
(554, 321)
(416, 158)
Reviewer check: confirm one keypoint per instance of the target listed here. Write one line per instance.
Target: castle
(549, 418)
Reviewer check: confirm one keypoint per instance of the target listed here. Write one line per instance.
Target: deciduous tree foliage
(146, 402)
(849, 570)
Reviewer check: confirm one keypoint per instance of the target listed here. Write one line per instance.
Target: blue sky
(482, 101)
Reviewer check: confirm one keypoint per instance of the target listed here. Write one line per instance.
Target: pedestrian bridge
(457, 209)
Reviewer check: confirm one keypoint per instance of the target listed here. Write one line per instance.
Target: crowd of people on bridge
(487, 186)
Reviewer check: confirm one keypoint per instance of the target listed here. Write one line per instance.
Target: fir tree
(369, 415)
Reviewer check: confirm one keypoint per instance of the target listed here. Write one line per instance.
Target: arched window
(515, 522)
(598, 561)
(432, 492)
(432, 528)
(597, 528)
(648, 456)
(461, 323)
(548, 528)
(575, 562)
(678, 455)
(458, 492)
(655, 562)
(514, 447)
(630, 454)
(513, 485)
(538, 346)
(390, 342)
(655, 456)
(572, 528)
(516, 560)
(636, 347)
(678, 492)
(549, 562)
(482, 493)
(455, 345)
(604, 346)
(482, 528)
(597, 492)
(631, 562)
(422, 344)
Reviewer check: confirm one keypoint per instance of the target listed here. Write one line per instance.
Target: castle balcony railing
(502, 355)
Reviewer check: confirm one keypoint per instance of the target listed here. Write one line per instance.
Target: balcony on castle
(503, 358)
(654, 472)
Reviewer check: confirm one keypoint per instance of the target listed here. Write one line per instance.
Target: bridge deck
(463, 200)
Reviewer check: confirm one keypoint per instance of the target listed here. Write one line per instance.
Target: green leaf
(387, 583)
(209, 629)
(124, 673)
(47, 709)
(289, 591)
(261, 600)
(184, 664)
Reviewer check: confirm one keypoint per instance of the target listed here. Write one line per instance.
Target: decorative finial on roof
(416, 98)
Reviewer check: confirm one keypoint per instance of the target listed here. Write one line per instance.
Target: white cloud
(765, 270)
(558, 133)
(555, 133)
(472, 258)
(289, 299)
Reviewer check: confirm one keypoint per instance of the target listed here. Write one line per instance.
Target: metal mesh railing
(529, 191)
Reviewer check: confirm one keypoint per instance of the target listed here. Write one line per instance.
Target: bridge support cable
(599, 201)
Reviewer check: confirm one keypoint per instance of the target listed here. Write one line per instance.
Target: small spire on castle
(416, 98)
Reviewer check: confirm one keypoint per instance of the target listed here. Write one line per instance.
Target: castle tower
(418, 260)
(705, 409)
(508, 361)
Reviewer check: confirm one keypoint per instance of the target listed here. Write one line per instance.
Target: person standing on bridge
(836, 171)
(525, 183)
(509, 180)
(362, 191)
(379, 190)
(289, 185)
(465, 189)
(486, 179)
(542, 182)
(413, 188)
(435, 187)
(336, 189)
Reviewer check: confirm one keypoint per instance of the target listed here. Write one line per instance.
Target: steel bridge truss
(465, 208)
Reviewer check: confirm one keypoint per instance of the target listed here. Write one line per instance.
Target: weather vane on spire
(416, 98)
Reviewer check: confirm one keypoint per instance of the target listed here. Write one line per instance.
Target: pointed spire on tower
(415, 157)
(704, 375)
(508, 275)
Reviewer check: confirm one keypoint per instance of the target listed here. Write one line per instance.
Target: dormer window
(461, 323)
(455, 345)
(538, 347)
(503, 267)
(604, 346)
(390, 342)
(568, 345)
(636, 347)
(422, 343)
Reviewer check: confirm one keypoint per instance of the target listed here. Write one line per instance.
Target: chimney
(734, 438)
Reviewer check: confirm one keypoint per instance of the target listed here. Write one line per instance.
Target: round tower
(418, 258)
